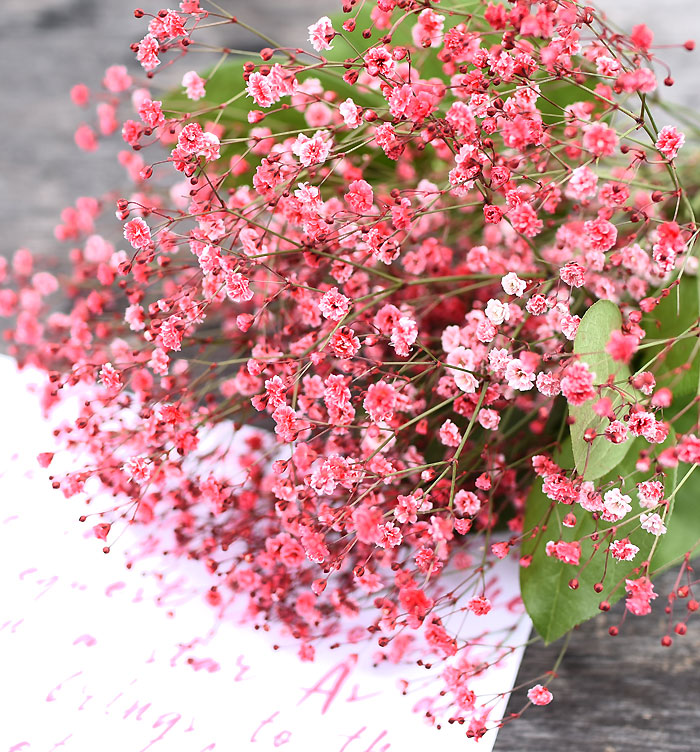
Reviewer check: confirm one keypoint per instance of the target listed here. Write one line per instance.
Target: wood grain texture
(613, 695)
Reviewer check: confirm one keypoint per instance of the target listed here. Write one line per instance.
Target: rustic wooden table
(613, 695)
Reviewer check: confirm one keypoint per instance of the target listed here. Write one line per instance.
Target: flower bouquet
(438, 273)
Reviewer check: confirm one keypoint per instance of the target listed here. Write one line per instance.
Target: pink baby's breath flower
(194, 85)
(117, 79)
(86, 138)
(80, 95)
(110, 378)
(191, 138)
(621, 346)
(171, 334)
(312, 151)
(352, 114)
(569, 326)
(479, 605)
(403, 335)
(616, 432)
(652, 523)
(138, 469)
(321, 34)
(237, 287)
(669, 141)
(650, 493)
(489, 419)
(427, 32)
(334, 305)
(569, 553)
(583, 183)
(147, 53)
(573, 274)
(600, 139)
(380, 401)
(360, 196)
(539, 695)
(623, 550)
(138, 233)
(640, 593)
(518, 376)
(577, 384)
(389, 536)
(467, 502)
(548, 384)
(497, 312)
(449, 434)
(513, 285)
(260, 89)
(151, 113)
(615, 505)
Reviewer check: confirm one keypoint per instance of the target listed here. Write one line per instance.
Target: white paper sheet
(95, 657)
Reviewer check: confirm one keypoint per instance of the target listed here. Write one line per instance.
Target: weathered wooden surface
(613, 695)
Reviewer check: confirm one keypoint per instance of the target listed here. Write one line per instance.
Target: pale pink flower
(138, 469)
(497, 312)
(652, 523)
(467, 502)
(237, 287)
(513, 285)
(518, 376)
(427, 32)
(539, 695)
(615, 505)
(380, 401)
(138, 233)
(334, 305)
(449, 434)
(315, 150)
(360, 196)
(583, 183)
(669, 141)
(650, 493)
(623, 550)
(260, 89)
(321, 34)
(600, 139)
(351, 113)
(403, 335)
(479, 605)
(110, 378)
(577, 383)
(194, 85)
(117, 79)
(147, 53)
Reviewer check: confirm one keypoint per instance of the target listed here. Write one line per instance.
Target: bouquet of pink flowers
(439, 270)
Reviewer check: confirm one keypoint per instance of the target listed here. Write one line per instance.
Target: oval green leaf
(600, 456)
(552, 605)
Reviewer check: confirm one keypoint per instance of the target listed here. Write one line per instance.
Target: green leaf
(684, 531)
(552, 605)
(676, 367)
(600, 456)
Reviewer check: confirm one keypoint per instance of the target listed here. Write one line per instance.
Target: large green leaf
(677, 366)
(596, 458)
(553, 606)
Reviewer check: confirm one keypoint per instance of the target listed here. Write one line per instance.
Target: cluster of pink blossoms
(381, 274)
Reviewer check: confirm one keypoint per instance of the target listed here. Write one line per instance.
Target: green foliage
(553, 606)
(677, 364)
(684, 531)
(599, 457)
